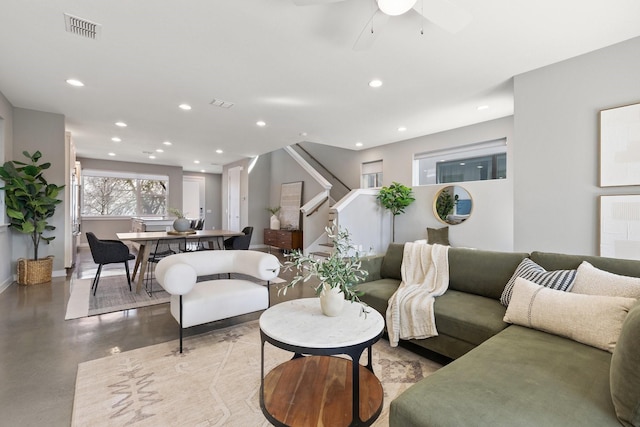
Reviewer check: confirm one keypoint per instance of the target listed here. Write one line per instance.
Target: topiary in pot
(29, 198)
(396, 198)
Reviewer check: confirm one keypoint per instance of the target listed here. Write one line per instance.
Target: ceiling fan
(444, 14)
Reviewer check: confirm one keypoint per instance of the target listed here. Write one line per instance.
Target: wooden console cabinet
(283, 239)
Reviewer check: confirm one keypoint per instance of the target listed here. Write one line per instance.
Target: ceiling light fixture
(185, 107)
(483, 107)
(202, 170)
(219, 151)
(75, 82)
(152, 156)
(116, 139)
(197, 162)
(261, 123)
(167, 143)
(159, 150)
(375, 83)
(121, 124)
(402, 129)
(395, 7)
(359, 144)
(112, 154)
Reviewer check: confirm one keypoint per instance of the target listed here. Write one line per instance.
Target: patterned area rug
(215, 382)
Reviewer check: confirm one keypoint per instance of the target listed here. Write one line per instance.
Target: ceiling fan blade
(310, 2)
(444, 14)
(371, 31)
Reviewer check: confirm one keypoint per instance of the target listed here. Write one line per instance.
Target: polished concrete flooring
(40, 351)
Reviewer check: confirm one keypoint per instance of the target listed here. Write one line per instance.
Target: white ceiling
(291, 66)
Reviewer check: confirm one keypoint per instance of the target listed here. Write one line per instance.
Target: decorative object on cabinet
(290, 202)
(274, 221)
(620, 146)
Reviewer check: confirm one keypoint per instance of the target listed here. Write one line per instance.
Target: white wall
(491, 223)
(557, 144)
(6, 153)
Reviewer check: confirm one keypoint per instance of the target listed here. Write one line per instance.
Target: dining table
(147, 239)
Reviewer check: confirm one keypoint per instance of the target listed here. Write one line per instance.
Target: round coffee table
(314, 388)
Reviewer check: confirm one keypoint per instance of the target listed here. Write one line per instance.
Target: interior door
(193, 197)
(234, 199)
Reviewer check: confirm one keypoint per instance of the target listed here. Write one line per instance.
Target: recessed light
(185, 107)
(375, 83)
(167, 143)
(202, 170)
(116, 139)
(462, 164)
(74, 82)
(159, 150)
(483, 107)
(219, 151)
(152, 156)
(197, 162)
(121, 124)
(402, 129)
(303, 134)
(112, 154)
(358, 144)
(261, 123)
(480, 166)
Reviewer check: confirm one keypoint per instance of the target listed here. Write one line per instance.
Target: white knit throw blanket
(425, 275)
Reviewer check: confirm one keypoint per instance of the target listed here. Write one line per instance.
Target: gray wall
(33, 131)
(345, 164)
(259, 197)
(6, 153)
(557, 144)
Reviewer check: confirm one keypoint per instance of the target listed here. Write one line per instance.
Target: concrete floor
(40, 351)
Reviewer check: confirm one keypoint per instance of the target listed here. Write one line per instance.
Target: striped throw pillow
(561, 280)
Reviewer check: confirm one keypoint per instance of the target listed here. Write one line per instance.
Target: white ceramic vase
(331, 301)
(181, 224)
(274, 223)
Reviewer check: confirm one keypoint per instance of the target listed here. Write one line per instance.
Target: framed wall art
(620, 146)
(290, 202)
(620, 226)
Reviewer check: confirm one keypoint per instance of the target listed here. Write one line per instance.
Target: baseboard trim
(5, 285)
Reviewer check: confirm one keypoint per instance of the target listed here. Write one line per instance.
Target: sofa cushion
(554, 261)
(481, 272)
(593, 281)
(438, 236)
(392, 262)
(378, 292)
(625, 371)
(590, 319)
(561, 280)
(468, 317)
(520, 377)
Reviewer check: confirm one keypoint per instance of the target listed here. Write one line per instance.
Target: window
(123, 194)
(372, 174)
(475, 162)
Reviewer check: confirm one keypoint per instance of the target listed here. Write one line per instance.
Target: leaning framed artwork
(620, 226)
(620, 146)
(290, 200)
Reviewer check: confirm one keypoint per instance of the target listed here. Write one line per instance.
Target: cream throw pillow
(593, 281)
(589, 319)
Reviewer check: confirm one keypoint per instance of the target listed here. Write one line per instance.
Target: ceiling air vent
(222, 104)
(82, 27)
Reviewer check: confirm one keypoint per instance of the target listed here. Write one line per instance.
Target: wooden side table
(317, 389)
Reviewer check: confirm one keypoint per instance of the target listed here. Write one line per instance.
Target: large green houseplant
(30, 199)
(337, 274)
(396, 198)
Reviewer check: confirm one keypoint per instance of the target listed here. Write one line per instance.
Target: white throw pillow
(589, 319)
(593, 281)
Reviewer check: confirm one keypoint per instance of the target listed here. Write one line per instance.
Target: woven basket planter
(34, 271)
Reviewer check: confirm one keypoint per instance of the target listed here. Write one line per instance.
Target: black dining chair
(108, 252)
(240, 242)
(164, 248)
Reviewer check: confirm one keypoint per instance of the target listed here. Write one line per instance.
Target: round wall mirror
(452, 205)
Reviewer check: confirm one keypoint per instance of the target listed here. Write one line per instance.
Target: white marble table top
(301, 323)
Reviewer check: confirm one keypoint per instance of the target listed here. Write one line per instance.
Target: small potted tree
(396, 198)
(30, 202)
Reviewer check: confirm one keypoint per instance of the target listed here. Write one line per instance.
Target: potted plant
(337, 274)
(181, 224)
(274, 221)
(445, 204)
(396, 198)
(30, 202)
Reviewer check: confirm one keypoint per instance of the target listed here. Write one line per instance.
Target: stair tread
(330, 245)
(322, 254)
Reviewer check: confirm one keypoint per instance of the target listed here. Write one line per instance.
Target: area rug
(113, 295)
(215, 382)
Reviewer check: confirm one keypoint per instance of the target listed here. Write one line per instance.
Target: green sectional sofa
(510, 375)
